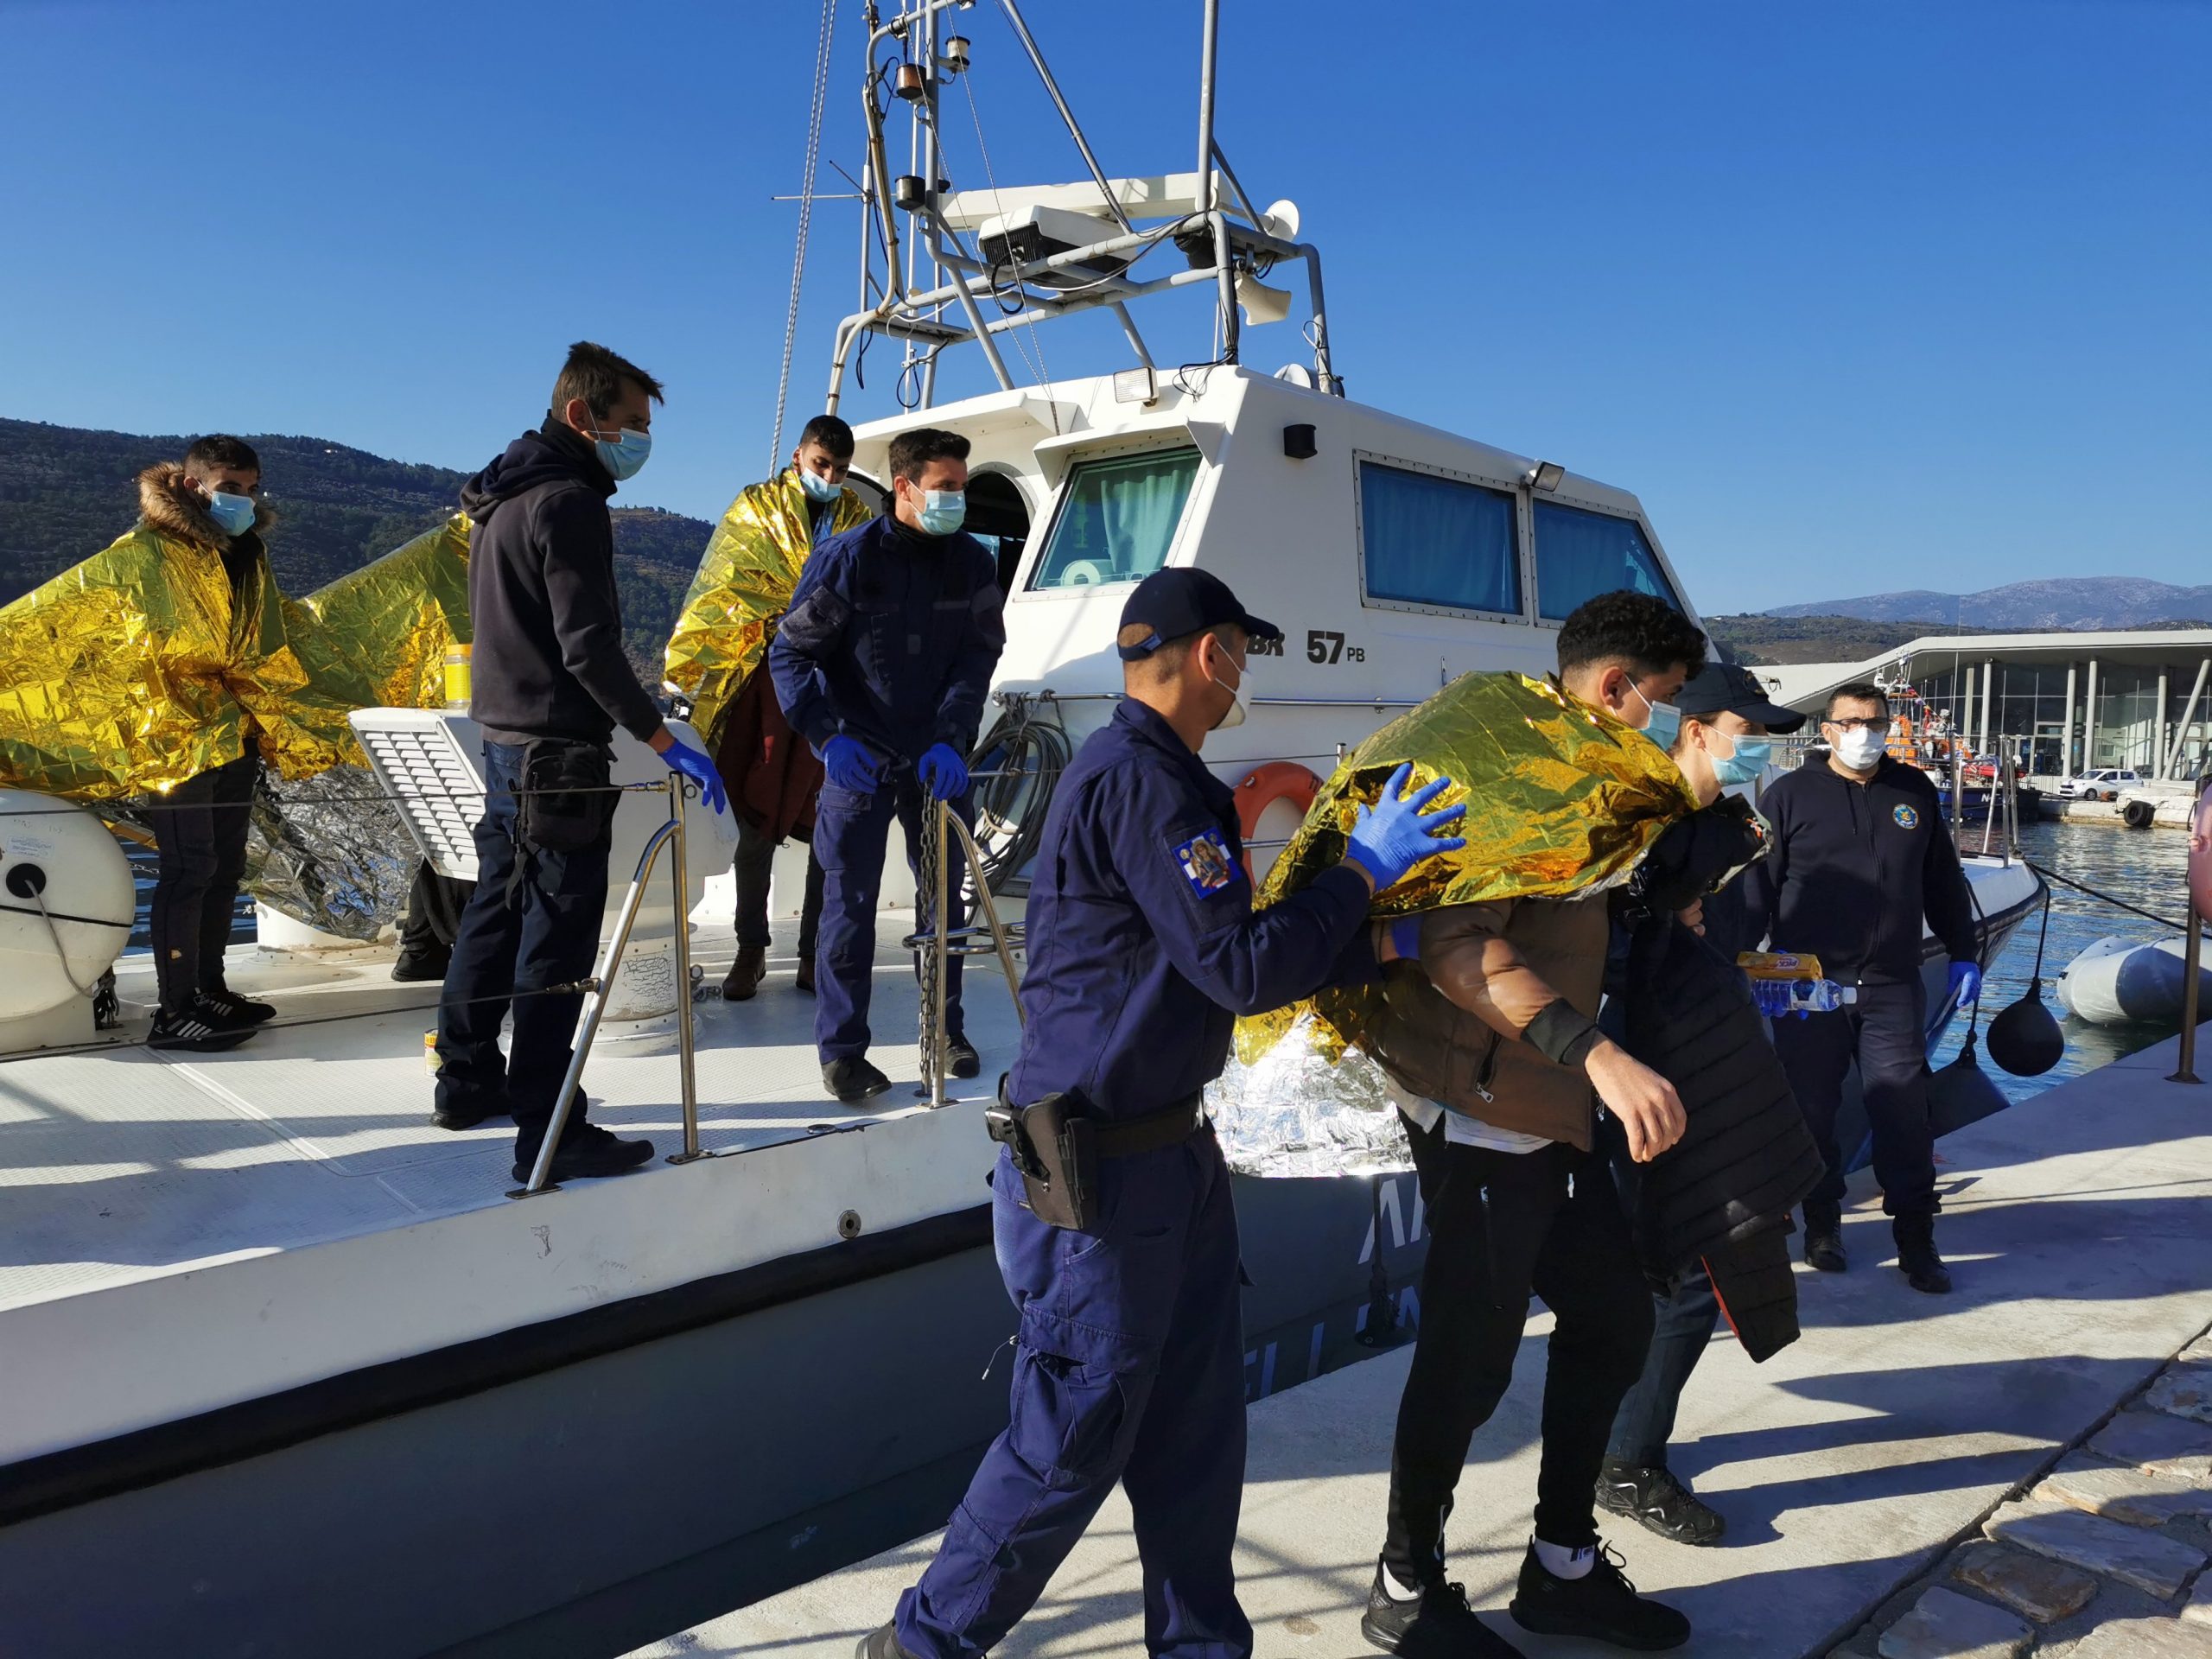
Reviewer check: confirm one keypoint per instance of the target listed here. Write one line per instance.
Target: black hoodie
(548, 659)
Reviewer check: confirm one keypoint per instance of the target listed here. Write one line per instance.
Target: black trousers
(756, 856)
(1885, 1031)
(200, 829)
(435, 903)
(1500, 1224)
(1681, 1330)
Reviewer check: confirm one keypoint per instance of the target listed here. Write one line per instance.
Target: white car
(2104, 785)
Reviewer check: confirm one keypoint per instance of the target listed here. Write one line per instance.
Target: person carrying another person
(1143, 947)
(1493, 1055)
(717, 659)
(1684, 1009)
(551, 684)
(1861, 855)
(882, 664)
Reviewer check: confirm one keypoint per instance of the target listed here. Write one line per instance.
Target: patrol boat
(286, 1370)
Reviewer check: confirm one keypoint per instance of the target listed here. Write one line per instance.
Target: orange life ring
(1277, 780)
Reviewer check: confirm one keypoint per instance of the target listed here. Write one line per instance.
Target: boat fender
(1277, 780)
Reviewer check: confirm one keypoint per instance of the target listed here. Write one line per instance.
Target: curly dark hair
(1640, 631)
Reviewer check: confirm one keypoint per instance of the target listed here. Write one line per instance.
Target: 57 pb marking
(1324, 645)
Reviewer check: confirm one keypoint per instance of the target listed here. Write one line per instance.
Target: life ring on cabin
(1277, 780)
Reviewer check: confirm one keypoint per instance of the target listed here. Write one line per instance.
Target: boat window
(1427, 540)
(1582, 554)
(999, 518)
(1118, 519)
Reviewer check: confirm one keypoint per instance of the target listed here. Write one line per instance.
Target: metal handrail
(940, 942)
(669, 835)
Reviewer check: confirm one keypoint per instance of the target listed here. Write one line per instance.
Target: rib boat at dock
(288, 1371)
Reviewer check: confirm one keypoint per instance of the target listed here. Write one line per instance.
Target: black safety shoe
(1438, 1623)
(590, 1152)
(1601, 1605)
(413, 967)
(1916, 1258)
(881, 1643)
(458, 1115)
(1824, 1240)
(1654, 1498)
(961, 1059)
(851, 1079)
(802, 980)
(198, 1029)
(238, 1009)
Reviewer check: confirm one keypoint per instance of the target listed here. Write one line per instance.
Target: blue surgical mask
(234, 514)
(944, 512)
(1746, 763)
(819, 488)
(1666, 723)
(624, 457)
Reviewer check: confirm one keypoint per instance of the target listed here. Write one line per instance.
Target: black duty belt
(1056, 1142)
(1152, 1131)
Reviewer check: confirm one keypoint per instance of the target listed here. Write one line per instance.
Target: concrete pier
(2077, 1226)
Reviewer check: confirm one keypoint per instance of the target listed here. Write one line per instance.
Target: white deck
(2076, 1225)
(291, 1200)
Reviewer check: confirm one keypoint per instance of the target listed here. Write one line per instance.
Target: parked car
(2104, 785)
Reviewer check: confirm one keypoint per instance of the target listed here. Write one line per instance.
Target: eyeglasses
(1871, 723)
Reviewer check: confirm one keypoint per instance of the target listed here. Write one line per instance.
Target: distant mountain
(1763, 639)
(67, 492)
(2028, 607)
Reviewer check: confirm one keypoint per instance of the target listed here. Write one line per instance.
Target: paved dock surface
(2079, 1227)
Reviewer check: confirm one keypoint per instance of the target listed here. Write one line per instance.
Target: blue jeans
(851, 831)
(1129, 1367)
(547, 933)
(1682, 1328)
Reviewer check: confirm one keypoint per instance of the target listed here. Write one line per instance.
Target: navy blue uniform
(1129, 1362)
(891, 639)
(1854, 869)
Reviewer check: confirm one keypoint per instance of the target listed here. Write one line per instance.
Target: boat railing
(937, 943)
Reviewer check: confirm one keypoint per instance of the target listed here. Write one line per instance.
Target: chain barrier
(929, 893)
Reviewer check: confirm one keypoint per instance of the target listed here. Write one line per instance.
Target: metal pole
(1988, 676)
(1958, 786)
(975, 857)
(686, 1039)
(2089, 721)
(594, 1005)
(2188, 717)
(1325, 368)
(2158, 730)
(937, 949)
(2185, 1071)
(2066, 733)
(1075, 130)
(1209, 192)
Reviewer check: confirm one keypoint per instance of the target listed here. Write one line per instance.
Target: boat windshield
(1581, 554)
(1117, 519)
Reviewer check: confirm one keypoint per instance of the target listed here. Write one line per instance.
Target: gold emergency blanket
(1560, 798)
(745, 583)
(377, 639)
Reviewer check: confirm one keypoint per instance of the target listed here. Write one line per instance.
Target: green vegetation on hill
(1762, 641)
(65, 493)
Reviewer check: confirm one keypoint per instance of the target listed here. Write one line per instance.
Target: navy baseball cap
(1173, 603)
(1726, 686)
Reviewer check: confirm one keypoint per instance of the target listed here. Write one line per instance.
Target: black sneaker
(961, 1059)
(881, 1643)
(412, 968)
(1653, 1497)
(1601, 1605)
(1922, 1268)
(1824, 1240)
(590, 1152)
(458, 1115)
(238, 1009)
(1437, 1622)
(194, 1029)
(851, 1079)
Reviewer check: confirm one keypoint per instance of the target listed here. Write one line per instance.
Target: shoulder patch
(1206, 864)
(1907, 817)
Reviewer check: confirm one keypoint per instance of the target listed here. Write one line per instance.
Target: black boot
(881, 1643)
(1438, 1623)
(1824, 1240)
(961, 1059)
(746, 973)
(1652, 1497)
(1601, 1605)
(1917, 1259)
(851, 1079)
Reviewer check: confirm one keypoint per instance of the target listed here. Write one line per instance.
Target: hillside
(2073, 602)
(67, 492)
(1764, 639)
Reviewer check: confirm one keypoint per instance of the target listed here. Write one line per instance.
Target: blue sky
(1856, 296)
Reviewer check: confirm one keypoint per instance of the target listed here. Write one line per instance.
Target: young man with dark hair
(551, 683)
(1860, 856)
(717, 658)
(210, 504)
(882, 665)
(1496, 1061)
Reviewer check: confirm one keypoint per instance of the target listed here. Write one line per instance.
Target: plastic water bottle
(1819, 996)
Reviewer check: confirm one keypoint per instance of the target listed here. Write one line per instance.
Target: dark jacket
(1855, 868)
(548, 660)
(891, 637)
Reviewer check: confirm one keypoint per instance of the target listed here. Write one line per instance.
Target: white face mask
(1859, 748)
(1237, 709)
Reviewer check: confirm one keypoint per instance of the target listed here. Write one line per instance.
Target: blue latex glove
(1394, 834)
(1405, 938)
(1772, 996)
(682, 757)
(849, 764)
(945, 774)
(1966, 982)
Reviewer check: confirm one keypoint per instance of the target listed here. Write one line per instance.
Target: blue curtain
(1436, 541)
(1119, 519)
(1581, 554)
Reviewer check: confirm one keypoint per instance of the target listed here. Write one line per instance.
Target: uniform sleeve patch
(1906, 817)
(1205, 863)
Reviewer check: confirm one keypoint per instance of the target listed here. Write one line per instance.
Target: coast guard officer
(1143, 949)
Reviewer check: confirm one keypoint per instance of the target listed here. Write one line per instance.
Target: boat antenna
(806, 224)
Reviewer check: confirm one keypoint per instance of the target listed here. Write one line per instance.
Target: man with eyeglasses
(1860, 856)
